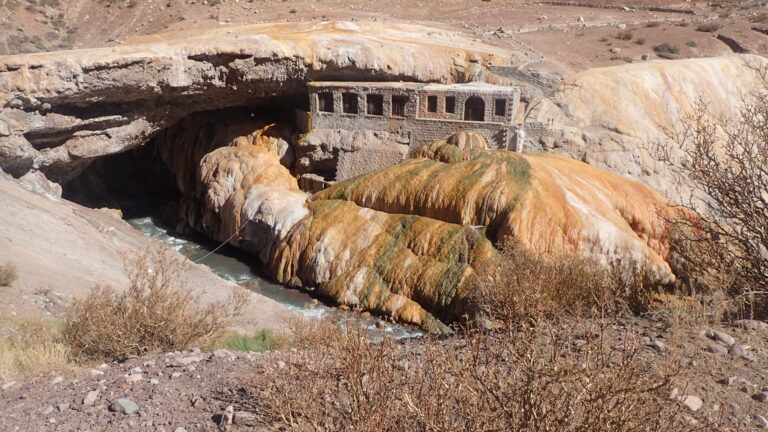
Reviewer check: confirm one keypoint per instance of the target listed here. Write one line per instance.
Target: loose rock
(90, 398)
(244, 418)
(124, 406)
(694, 403)
(717, 349)
(721, 336)
(227, 417)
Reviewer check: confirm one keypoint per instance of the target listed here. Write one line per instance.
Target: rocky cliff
(60, 110)
(612, 117)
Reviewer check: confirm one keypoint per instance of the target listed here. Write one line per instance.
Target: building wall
(418, 125)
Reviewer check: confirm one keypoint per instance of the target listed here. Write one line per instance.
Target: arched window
(474, 109)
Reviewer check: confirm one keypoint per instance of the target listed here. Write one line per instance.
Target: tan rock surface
(612, 117)
(61, 109)
(62, 250)
(403, 241)
(551, 204)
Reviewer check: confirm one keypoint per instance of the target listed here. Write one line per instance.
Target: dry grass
(155, 314)
(32, 346)
(555, 365)
(8, 274)
(518, 288)
(530, 379)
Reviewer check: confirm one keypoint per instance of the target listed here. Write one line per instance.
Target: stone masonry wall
(418, 126)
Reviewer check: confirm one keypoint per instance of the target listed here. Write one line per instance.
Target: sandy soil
(570, 38)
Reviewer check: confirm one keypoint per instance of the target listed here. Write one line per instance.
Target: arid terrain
(607, 272)
(569, 38)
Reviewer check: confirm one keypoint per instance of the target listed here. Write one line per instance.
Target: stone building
(416, 113)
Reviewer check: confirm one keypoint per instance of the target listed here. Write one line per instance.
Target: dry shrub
(306, 333)
(725, 250)
(761, 17)
(566, 379)
(624, 35)
(519, 287)
(666, 48)
(8, 274)
(708, 27)
(155, 314)
(32, 346)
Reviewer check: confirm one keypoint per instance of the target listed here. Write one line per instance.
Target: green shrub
(264, 340)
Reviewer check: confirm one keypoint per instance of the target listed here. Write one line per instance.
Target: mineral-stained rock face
(409, 267)
(59, 110)
(243, 189)
(549, 203)
(612, 117)
(404, 241)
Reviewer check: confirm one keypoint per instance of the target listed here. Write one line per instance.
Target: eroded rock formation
(409, 267)
(403, 241)
(60, 110)
(549, 203)
(612, 117)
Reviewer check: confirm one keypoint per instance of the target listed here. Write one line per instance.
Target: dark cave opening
(151, 180)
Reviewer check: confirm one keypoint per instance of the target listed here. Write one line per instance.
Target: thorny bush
(567, 378)
(157, 313)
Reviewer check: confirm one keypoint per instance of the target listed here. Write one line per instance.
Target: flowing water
(231, 264)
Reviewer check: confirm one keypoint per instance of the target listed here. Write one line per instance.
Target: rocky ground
(571, 38)
(723, 371)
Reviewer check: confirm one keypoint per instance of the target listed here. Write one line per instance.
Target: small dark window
(501, 107)
(375, 104)
(474, 109)
(349, 102)
(432, 104)
(325, 102)
(450, 104)
(398, 105)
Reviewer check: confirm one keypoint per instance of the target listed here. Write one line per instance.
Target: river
(232, 264)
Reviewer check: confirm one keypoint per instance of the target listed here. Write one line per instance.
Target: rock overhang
(64, 98)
